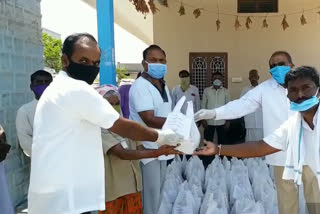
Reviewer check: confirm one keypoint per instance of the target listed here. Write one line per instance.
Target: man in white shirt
(67, 168)
(271, 96)
(25, 115)
(253, 121)
(214, 97)
(298, 137)
(149, 104)
(191, 92)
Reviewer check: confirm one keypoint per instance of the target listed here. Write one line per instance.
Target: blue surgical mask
(217, 83)
(279, 73)
(305, 105)
(157, 70)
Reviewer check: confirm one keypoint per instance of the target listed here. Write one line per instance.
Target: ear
(144, 65)
(292, 65)
(65, 61)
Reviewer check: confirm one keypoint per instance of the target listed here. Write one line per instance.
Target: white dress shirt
(272, 98)
(67, 167)
(301, 143)
(191, 94)
(24, 125)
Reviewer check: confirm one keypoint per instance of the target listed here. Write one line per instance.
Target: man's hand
(208, 149)
(204, 124)
(205, 114)
(168, 150)
(168, 137)
(227, 125)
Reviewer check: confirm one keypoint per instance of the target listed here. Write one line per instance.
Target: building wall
(21, 53)
(247, 49)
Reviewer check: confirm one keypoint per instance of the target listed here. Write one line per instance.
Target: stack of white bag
(235, 187)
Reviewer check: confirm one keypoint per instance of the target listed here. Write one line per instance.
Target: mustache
(301, 100)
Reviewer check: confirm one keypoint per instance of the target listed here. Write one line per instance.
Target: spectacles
(277, 64)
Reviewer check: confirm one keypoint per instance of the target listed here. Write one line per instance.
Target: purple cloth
(124, 100)
(5, 201)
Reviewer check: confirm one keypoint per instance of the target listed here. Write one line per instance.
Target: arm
(245, 150)
(24, 132)
(129, 154)
(133, 130)
(275, 142)
(247, 104)
(4, 147)
(152, 121)
(197, 98)
(204, 100)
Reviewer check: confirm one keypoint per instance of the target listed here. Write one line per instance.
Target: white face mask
(217, 83)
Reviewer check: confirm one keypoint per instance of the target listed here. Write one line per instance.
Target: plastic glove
(205, 114)
(168, 137)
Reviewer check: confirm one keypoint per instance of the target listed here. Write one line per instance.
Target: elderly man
(67, 170)
(253, 121)
(40, 80)
(298, 137)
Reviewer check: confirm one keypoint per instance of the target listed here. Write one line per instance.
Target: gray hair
(111, 93)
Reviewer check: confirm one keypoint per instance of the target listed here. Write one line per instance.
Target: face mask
(117, 108)
(157, 70)
(184, 83)
(217, 83)
(38, 90)
(305, 105)
(87, 73)
(279, 73)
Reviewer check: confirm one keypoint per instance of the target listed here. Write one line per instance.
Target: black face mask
(87, 73)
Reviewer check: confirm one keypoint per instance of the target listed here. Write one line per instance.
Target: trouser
(254, 134)
(153, 175)
(208, 136)
(209, 133)
(288, 195)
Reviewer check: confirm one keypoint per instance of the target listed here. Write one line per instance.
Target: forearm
(248, 150)
(236, 109)
(138, 154)
(134, 131)
(155, 122)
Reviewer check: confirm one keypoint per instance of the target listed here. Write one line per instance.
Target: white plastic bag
(184, 125)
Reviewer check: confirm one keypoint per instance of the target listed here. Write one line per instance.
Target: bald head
(254, 77)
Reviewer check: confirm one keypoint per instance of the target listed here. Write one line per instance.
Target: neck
(309, 115)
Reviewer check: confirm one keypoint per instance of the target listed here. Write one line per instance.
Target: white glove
(205, 114)
(168, 137)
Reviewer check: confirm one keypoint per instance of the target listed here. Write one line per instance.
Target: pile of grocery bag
(235, 187)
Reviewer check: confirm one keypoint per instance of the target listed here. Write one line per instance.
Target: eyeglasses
(277, 64)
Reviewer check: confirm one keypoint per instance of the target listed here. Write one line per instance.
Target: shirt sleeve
(228, 98)
(279, 138)
(141, 99)
(204, 99)
(247, 104)
(91, 106)
(24, 132)
(109, 140)
(197, 99)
